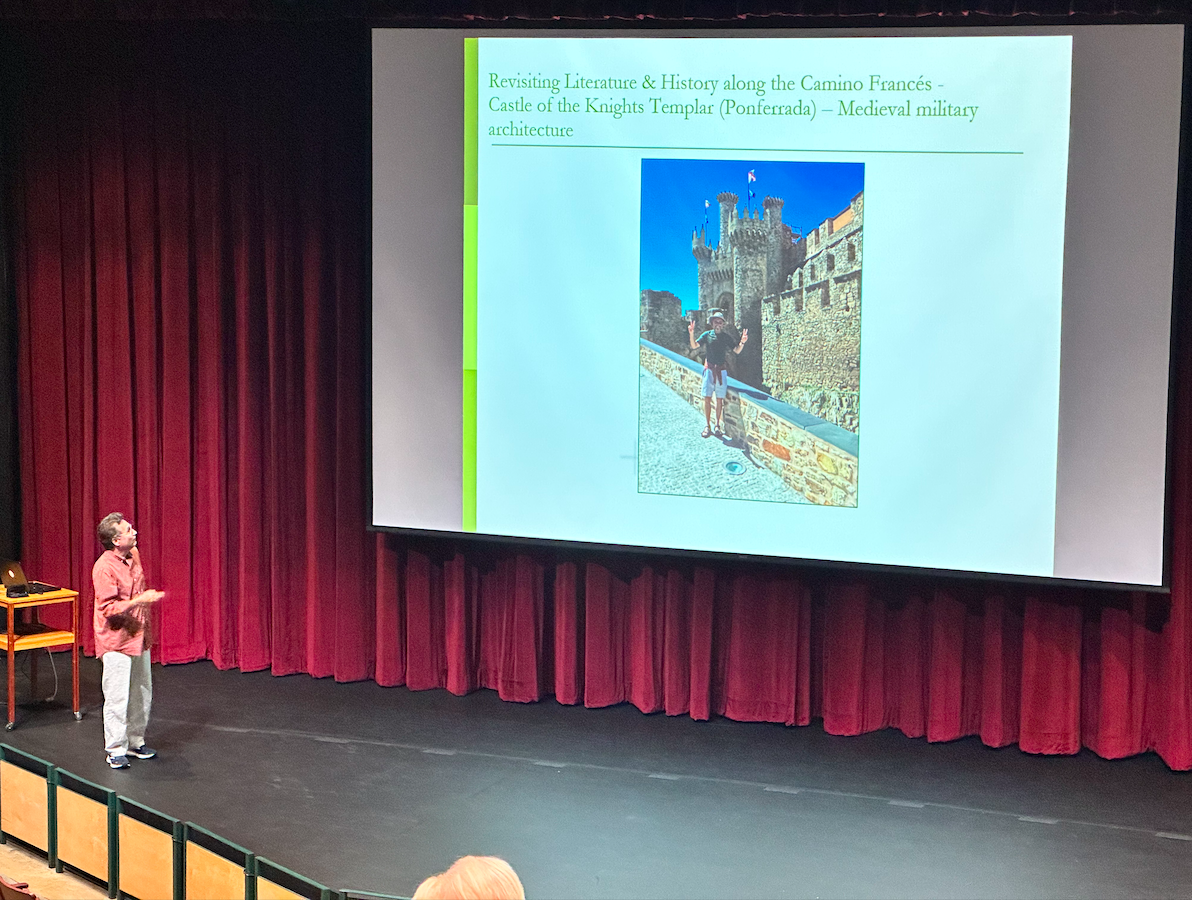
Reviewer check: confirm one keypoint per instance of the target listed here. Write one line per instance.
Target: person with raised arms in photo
(716, 343)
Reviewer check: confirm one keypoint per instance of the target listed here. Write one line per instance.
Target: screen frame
(857, 27)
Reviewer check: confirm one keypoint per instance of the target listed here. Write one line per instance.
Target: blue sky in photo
(673, 195)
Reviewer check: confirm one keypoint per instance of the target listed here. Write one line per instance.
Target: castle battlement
(717, 273)
(749, 237)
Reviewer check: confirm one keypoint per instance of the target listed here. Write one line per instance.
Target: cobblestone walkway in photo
(672, 458)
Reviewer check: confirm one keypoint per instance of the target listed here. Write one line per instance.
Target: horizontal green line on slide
(766, 149)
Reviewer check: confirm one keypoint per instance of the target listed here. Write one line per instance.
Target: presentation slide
(812, 298)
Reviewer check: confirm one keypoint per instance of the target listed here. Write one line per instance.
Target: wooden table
(33, 635)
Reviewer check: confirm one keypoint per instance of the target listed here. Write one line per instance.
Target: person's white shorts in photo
(720, 388)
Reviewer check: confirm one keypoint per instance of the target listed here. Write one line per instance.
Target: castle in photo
(799, 296)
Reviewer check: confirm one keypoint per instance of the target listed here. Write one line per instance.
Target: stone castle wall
(811, 331)
(781, 438)
(662, 321)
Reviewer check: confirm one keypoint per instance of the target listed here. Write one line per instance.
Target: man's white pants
(127, 696)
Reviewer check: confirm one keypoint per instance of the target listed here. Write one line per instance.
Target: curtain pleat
(568, 634)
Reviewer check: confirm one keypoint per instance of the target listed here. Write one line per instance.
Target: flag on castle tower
(751, 176)
(706, 205)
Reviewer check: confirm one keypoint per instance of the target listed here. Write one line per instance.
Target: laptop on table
(12, 576)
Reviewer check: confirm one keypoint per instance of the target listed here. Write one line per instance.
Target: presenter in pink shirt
(121, 640)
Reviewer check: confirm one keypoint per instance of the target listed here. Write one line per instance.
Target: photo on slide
(750, 348)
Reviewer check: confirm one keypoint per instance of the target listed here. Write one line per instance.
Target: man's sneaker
(118, 762)
(142, 752)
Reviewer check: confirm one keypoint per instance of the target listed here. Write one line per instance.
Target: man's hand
(744, 338)
(148, 597)
(691, 334)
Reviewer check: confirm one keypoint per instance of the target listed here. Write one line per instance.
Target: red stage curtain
(193, 334)
(190, 268)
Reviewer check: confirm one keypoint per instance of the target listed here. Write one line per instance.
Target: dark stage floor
(374, 788)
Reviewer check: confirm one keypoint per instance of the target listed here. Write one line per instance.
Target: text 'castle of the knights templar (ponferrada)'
(799, 296)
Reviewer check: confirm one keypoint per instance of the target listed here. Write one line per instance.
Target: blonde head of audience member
(473, 878)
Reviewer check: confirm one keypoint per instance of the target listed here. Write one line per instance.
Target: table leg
(33, 660)
(12, 680)
(74, 656)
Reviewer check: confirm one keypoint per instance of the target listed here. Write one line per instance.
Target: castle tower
(728, 216)
(777, 249)
(714, 268)
(773, 211)
(750, 241)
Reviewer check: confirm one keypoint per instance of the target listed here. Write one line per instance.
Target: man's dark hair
(108, 528)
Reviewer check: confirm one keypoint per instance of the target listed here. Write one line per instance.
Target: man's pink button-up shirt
(120, 624)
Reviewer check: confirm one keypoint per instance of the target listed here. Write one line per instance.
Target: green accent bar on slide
(469, 383)
(470, 235)
(468, 482)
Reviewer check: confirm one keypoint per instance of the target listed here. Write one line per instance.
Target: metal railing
(73, 817)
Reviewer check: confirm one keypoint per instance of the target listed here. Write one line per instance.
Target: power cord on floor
(54, 669)
(26, 670)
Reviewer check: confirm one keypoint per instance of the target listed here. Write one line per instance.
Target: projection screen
(897, 299)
